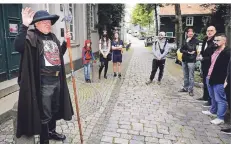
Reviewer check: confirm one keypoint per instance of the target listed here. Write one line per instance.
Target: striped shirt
(213, 61)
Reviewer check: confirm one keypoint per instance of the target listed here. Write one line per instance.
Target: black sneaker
(105, 77)
(53, 135)
(115, 74)
(207, 104)
(226, 131)
(201, 99)
(183, 90)
(119, 75)
(191, 93)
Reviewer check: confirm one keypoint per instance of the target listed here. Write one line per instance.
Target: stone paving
(126, 111)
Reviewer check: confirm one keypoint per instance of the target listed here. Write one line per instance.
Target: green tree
(110, 16)
(141, 16)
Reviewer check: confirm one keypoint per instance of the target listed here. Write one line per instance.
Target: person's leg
(213, 108)
(191, 69)
(85, 72)
(101, 68)
(221, 100)
(55, 112)
(106, 68)
(186, 77)
(89, 71)
(46, 92)
(227, 92)
(119, 69)
(161, 67)
(154, 69)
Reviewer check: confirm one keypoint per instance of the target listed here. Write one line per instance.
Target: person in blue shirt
(117, 46)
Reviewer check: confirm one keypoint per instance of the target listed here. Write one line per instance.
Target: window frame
(188, 20)
(73, 21)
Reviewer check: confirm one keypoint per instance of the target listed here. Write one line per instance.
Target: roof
(186, 9)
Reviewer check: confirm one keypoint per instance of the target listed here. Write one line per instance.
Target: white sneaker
(208, 113)
(217, 121)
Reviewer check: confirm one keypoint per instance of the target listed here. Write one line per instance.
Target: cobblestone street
(127, 111)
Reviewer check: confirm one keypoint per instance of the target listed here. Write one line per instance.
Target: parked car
(135, 33)
(141, 37)
(129, 31)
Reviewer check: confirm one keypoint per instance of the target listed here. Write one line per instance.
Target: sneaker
(217, 121)
(119, 75)
(201, 99)
(115, 74)
(159, 82)
(206, 104)
(183, 90)
(148, 82)
(105, 77)
(226, 131)
(209, 113)
(191, 93)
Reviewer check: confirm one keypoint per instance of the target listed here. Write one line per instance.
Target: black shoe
(207, 104)
(201, 99)
(191, 93)
(226, 131)
(99, 76)
(56, 136)
(119, 75)
(115, 74)
(44, 142)
(148, 82)
(183, 90)
(105, 77)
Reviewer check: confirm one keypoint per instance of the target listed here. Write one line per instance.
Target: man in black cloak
(43, 96)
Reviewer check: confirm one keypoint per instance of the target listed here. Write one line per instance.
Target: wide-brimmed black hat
(44, 15)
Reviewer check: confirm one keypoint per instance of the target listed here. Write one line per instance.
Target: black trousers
(155, 65)
(50, 93)
(104, 64)
(206, 96)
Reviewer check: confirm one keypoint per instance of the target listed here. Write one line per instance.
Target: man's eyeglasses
(216, 40)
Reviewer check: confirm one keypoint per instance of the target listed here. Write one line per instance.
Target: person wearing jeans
(207, 50)
(216, 78)
(189, 50)
(87, 56)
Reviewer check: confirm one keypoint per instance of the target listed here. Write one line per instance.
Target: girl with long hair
(105, 56)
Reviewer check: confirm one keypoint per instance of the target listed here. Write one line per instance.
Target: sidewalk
(92, 101)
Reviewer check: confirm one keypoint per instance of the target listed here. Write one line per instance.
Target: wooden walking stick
(67, 20)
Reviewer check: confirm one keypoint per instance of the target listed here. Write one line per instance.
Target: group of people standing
(215, 60)
(109, 50)
(214, 57)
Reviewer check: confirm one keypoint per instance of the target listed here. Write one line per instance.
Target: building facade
(10, 19)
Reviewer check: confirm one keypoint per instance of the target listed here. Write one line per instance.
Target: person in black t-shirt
(43, 96)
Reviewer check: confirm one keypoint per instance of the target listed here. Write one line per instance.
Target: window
(170, 34)
(72, 24)
(47, 7)
(92, 16)
(189, 21)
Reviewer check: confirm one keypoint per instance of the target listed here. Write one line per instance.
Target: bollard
(23, 139)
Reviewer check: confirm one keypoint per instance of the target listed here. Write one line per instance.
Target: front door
(10, 18)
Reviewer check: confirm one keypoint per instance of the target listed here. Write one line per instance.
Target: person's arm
(109, 47)
(83, 53)
(183, 49)
(154, 51)
(20, 40)
(100, 47)
(166, 50)
(92, 55)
